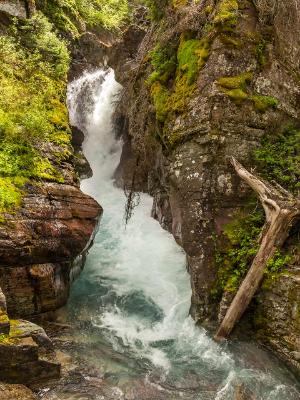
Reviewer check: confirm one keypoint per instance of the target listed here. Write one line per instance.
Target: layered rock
(43, 247)
(181, 156)
(27, 355)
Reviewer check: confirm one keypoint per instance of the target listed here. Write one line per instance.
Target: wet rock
(241, 393)
(16, 392)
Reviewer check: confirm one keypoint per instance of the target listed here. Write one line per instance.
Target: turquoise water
(131, 304)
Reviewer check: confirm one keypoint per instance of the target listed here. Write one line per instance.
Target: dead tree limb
(281, 210)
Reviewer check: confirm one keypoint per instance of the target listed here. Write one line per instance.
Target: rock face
(44, 245)
(16, 8)
(27, 355)
(182, 154)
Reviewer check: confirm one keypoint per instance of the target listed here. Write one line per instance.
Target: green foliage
(234, 258)
(72, 15)
(33, 67)
(164, 61)
(278, 158)
(37, 36)
(240, 246)
(274, 268)
(156, 8)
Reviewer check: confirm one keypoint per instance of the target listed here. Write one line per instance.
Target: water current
(130, 306)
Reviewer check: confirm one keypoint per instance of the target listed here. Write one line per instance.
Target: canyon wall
(214, 79)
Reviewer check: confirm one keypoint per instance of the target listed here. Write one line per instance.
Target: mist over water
(135, 290)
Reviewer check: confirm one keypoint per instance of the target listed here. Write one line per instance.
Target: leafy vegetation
(33, 67)
(156, 8)
(234, 256)
(278, 158)
(73, 15)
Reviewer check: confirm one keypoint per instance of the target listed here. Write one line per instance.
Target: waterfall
(135, 289)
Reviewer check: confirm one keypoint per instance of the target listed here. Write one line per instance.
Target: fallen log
(281, 209)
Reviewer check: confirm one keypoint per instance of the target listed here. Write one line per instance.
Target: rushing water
(130, 306)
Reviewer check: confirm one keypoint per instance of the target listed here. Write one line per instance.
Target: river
(132, 337)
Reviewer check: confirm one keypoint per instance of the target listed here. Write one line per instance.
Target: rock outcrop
(43, 247)
(178, 138)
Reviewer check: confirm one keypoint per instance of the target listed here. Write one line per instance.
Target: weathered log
(281, 209)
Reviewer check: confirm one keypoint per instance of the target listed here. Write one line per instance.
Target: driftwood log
(281, 209)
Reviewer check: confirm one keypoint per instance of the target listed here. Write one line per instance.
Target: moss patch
(237, 88)
(227, 13)
(176, 71)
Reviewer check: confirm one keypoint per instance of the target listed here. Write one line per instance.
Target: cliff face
(215, 79)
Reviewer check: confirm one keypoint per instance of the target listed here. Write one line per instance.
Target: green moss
(227, 13)
(236, 82)
(260, 51)
(3, 317)
(160, 96)
(192, 56)
(179, 3)
(236, 87)
(180, 67)
(263, 103)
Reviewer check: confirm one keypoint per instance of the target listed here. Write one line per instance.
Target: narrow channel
(130, 306)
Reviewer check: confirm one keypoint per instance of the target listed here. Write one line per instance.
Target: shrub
(33, 67)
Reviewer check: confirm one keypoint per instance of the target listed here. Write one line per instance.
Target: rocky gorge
(181, 123)
(202, 81)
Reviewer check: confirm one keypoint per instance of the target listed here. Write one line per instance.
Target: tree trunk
(281, 209)
(30, 8)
